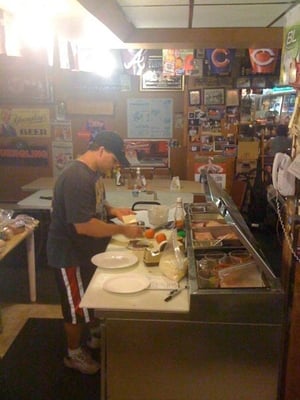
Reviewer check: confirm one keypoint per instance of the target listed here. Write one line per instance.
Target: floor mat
(32, 368)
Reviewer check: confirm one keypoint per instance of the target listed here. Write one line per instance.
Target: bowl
(158, 215)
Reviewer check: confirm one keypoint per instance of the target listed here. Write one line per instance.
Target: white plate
(114, 259)
(126, 283)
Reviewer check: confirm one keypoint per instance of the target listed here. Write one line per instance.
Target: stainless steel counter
(207, 344)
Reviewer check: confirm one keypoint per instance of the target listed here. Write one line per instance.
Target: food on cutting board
(129, 219)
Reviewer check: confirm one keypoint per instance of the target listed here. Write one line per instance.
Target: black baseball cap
(113, 143)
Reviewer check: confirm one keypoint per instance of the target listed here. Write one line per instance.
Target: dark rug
(33, 369)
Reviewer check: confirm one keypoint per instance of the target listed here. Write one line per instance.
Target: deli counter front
(220, 338)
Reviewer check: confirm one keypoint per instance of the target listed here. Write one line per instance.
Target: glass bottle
(138, 179)
(179, 214)
(118, 177)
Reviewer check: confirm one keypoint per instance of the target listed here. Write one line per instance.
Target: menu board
(150, 118)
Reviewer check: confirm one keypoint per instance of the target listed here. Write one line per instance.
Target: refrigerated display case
(210, 342)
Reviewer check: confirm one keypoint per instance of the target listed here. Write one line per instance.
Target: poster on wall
(290, 58)
(21, 82)
(150, 118)
(216, 169)
(178, 61)
(134, 61)
(219, 61)
(147, 153)
(62, 131)
(21, 154)
(62, 154)
(263, 61)
(24, 122)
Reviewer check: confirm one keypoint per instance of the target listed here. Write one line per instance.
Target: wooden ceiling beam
(191, 13)
(238, 38)
(111, 15)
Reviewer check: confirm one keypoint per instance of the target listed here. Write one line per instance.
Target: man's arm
(97, 228)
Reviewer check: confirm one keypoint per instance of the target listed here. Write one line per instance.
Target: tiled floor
(14, 317)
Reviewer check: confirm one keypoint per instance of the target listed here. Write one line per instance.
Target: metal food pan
(211, 244)
(207, 217)
(217, 232)
(206, 224)
(201, 208)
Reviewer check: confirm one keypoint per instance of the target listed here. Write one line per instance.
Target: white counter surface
(163, 185)
(117, 196)
(151, 300)
(40, 200)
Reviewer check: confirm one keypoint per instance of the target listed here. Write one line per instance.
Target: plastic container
(240, 256)
(214, 258)
(207, 280)
(241, 275)
(158, 215)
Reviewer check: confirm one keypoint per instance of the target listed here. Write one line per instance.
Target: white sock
(74, 352)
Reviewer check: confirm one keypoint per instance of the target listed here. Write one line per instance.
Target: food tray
(216, 233)
(207, 223)
(201, 208)
(203, 244)
(208, 217)
(241, 275)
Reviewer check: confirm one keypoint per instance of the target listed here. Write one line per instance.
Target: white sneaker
(94, 342)
(83, 362)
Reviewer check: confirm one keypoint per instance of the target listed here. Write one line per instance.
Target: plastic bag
(172, 262)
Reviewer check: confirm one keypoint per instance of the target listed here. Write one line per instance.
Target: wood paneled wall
(13, 177)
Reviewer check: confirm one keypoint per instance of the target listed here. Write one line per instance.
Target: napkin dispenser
(151, 257)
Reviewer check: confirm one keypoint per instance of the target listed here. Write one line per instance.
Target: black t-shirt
(78, 196)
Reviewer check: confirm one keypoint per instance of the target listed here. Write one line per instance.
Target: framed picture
(156, 81)
(243, 82)
(195, 97)
(232, 97)
(23, 83)
(214, 96)
(259, 82)
(219, 143)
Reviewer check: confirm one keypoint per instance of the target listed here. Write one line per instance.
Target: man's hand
(120, 212)
(132, 231)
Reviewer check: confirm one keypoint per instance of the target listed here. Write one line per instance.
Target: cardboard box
(244, 166)
(248, 150)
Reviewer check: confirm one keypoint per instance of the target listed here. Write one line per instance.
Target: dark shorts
(72, 283)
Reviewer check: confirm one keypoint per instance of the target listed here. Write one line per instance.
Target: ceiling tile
(243, 2)
(259, 15)
(158, 17)
(142, 3)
